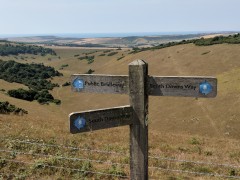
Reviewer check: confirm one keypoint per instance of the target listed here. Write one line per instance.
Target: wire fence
(194, 162)
(66, 158)
(196, 173)
(65, 168)
(115, 175)
(116, 163)
(110, 162)
(122, 153)
(67, 147)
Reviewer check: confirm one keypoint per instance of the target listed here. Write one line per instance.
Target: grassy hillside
(183, 128)
(231, 39)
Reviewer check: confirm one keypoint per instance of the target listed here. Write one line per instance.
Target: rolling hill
(173, 120)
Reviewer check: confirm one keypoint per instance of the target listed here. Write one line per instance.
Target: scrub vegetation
(89, 59)
(16, 49)
(7, 108)
(231, 39)
(32, 75)
(43, 96)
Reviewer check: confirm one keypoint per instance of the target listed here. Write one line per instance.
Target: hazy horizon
(110, 34)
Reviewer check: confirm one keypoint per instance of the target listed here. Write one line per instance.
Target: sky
(117, 16)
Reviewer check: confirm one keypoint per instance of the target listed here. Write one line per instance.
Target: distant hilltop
(124, 40)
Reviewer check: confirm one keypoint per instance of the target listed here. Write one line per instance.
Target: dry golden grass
(175, 122)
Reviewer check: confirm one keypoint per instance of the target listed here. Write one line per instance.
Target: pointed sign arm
(100, 119)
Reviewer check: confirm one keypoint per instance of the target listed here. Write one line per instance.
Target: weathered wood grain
(180, 86)
(157, 85)
(138, 77)
(106, 84)
(102, 119)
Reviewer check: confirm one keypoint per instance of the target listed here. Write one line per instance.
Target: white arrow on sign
(100, 119)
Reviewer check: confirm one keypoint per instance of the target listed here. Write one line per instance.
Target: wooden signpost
(100, 119)
(139, 86)
(105, 84)
(181, 86)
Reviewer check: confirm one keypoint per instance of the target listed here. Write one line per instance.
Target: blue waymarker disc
(205, 88)
(78, 83)
(80, 122)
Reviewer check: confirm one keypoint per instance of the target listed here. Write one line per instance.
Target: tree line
(231, 39)
(16, 49)
(32, 75)
(35, 76)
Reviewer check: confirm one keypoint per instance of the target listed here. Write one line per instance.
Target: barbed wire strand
(152, 167)
(71, 169)
(195, 162)
(193, 172)
(117, 153)
(66, 158)
(67, 147)
(124, 164)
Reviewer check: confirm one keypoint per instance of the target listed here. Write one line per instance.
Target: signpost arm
(138, 75)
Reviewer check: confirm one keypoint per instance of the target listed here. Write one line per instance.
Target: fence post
(138, 77)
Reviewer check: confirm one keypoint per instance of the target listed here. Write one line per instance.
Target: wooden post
(138, 77)
(139, 86)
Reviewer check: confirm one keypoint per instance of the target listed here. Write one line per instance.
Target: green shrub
(66, 84)
(86, 57)
(57, 101)
(16, 49)
(112, 53)
(42, 100)
(106, 51)
(90, 59)
(32, 75)
(28, 95)
(43, 96)
(120, 58)
(90, 71)
(7, 108)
